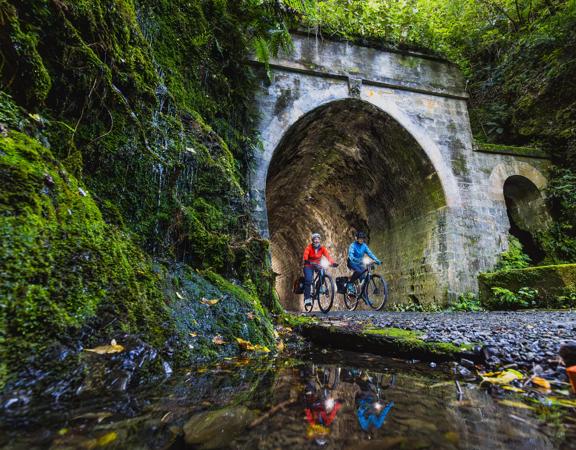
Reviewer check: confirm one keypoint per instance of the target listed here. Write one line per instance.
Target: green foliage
(415, 306)
(514, 257)
(467, 301)
(504, 299)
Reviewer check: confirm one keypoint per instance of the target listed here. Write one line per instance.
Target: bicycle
(372, 288)
(322, 289)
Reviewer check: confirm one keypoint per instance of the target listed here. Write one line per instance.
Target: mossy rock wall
(551, 282)
(126, 134)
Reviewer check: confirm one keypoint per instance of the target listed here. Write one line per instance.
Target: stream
(318, 399)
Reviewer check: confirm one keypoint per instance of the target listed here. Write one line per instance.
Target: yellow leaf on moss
(218, 340)
(249, 346)
(280, 346)
(106, 349)
(211, 302)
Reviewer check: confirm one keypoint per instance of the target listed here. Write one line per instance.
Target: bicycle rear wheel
(376, 292)
(325, 294)
(351, 299)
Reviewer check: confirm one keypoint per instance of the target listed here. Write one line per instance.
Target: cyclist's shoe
(307, 302)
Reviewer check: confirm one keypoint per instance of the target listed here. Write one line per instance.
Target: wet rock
(467, 363)
(568, 353)
(216, 429)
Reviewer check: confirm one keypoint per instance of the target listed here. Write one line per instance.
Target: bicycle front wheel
(376, 292)
(325, 294)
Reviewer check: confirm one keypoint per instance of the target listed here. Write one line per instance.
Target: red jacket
(314, 256)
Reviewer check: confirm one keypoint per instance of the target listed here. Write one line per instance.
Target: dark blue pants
(308, 279)
(358, 269)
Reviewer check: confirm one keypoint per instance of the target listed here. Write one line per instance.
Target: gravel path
(529, 340)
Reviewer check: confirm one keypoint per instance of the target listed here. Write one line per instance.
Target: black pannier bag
(298, 286)
(341, 284)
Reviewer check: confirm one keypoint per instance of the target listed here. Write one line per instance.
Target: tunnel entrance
(347, 166)
(527, 214)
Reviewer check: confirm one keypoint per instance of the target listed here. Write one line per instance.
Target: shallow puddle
(334, 400)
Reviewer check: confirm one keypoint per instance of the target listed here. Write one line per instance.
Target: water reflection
(331, 401)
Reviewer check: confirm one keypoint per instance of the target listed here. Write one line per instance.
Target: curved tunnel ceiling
(346, 166)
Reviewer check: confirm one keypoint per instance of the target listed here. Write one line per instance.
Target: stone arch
(503, 171)
(402, 198)
(275, 130)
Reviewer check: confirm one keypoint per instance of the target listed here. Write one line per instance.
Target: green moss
(294, 321)
(550, 282)
(511, 150)
(409, 341)
(62, 264)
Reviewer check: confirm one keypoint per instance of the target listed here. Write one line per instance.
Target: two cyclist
(315, 251)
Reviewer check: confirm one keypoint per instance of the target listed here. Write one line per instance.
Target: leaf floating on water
(193, 334)
(108, 438)
(514, 404)
(513, 389)
(504, 377)
(106, 349)
(211, 302)
(99, 416)
(441, 384)
(218, 340)
(249, 346)
(541, 382)
(179, 295)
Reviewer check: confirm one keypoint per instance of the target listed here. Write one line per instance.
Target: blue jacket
(357, 251)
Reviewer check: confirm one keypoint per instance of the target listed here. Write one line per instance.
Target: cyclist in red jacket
(312, 255)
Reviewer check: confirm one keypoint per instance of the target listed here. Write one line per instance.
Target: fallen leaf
(514, 404)
(105, 349)
(504, 377)
(108, 438)
(563, 402)
(218, 340)
(211, 302)
(443, 383)
(179, 295)
(193, 334)
(541, 382)
(250, 315)
(280, 346)
(513, 389)
(99, 416)
(249, 346)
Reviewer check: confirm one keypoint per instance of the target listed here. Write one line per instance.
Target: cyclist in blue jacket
(356, 253)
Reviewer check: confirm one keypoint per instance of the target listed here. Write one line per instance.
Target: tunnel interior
(349, 166)
(527, 214)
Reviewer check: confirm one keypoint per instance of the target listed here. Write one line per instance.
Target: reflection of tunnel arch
(349, 165)
(527, 213)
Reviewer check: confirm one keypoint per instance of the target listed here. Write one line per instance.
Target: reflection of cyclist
(320, 408)
(356, 253)
(312, 255)
(371, 411)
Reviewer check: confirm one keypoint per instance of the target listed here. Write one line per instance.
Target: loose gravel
(528, 340)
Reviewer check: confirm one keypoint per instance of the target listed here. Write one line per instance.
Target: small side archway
(520, 187)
